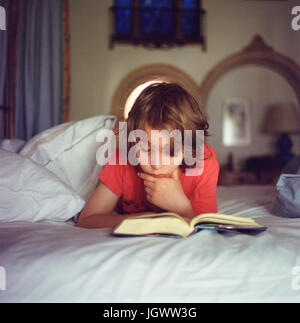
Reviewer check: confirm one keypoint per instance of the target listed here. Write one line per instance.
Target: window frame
(176, 38)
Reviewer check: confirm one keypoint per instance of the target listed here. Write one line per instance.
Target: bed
(44, 257)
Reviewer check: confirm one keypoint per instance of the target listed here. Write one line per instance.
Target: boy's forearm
(187, 210)
(112, 220)
(99, 221)
(103, 220)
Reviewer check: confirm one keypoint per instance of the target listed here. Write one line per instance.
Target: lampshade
(282, 118)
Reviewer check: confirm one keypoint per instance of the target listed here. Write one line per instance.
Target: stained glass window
(189, 4)
(156, 17)
(123, 17)
(190, 20)
(157, 22)
(156, 4)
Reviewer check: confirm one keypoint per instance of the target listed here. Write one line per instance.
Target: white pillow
(29, 192)
(69, 151)
(13, 145)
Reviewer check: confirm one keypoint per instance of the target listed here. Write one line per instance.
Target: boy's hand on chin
(165, 192)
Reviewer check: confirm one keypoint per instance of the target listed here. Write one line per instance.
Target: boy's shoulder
(117, 157)
(209, 152)
(119, 160)
(118, 166)
(208, 163)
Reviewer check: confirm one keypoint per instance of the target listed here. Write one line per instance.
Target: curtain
(40, 67)
(3, 56)
(8, 65)
(3, 70)
(67, 63)
(34, 66)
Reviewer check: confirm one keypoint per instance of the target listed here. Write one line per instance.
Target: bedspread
(58, 262)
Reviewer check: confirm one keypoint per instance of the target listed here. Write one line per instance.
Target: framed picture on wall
(236, 122)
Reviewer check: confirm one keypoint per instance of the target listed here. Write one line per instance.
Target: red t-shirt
(125, 183)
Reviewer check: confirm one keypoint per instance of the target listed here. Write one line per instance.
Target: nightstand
(248, 178)
(259, 170)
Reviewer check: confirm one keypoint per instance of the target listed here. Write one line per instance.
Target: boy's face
(154, 157)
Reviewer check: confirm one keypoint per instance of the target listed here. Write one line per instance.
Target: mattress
(59, 262)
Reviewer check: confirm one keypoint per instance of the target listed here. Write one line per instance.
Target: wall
(97, 70)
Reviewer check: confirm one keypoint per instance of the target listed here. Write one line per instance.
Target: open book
(169, 223)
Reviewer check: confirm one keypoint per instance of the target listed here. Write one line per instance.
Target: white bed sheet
(51, 262)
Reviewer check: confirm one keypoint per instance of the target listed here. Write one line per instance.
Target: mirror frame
(256, 53)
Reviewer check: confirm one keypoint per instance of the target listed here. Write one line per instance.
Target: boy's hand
(166, 193)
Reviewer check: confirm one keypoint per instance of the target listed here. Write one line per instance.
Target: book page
(159, 215)
(154, 223)
(222, 218)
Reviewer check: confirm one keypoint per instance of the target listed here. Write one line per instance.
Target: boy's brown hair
(167, 104)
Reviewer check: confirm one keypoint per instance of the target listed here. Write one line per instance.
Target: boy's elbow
(93, 221)
(81, 220)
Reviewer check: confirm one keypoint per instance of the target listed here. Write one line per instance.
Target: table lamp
(283, 119)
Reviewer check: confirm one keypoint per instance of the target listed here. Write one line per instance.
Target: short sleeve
(204, 196)
(112, 176)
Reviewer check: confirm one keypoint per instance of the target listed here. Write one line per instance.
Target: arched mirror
(252, 79)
